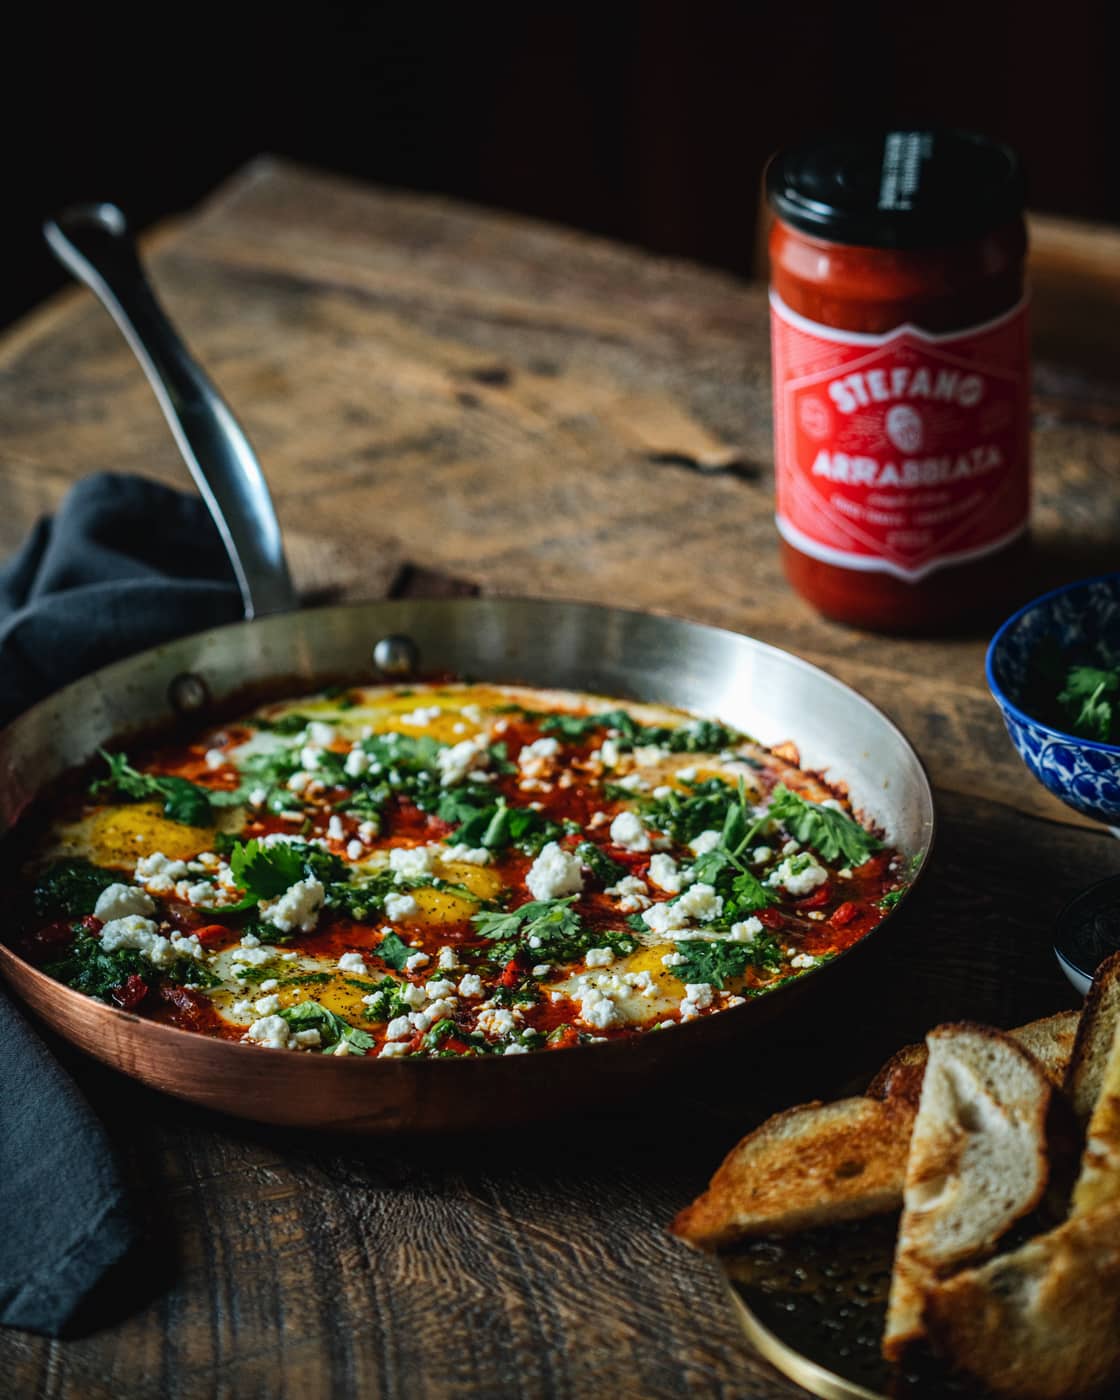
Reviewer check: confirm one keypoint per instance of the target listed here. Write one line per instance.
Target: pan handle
(94, 243)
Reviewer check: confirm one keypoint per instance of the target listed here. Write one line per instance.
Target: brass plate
(814, 1305)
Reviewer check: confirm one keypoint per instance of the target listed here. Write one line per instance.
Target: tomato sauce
(901, 376)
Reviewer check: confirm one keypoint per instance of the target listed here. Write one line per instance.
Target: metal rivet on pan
(188, 692)
(396, 656)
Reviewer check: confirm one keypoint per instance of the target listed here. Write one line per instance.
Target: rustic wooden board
(441, 393)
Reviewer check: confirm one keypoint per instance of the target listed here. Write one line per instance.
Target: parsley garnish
(70, 888)
(183, 801)
(715, 962)
(697, 736)
(560, 933)
(831, 833)
(605, 870)
(309, 1015)
(497, 825)
(88, 968)
(891, 898)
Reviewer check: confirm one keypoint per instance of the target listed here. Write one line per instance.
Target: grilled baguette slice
(978, 1163)
(809, 1166)
(1042, 1322)
(820, 1163)
(1095, 1035)
(1050, 1041)
(1099, 1181)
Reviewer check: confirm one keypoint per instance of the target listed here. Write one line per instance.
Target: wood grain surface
(438, 394)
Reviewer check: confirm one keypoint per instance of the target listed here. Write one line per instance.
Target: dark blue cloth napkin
(125, 563)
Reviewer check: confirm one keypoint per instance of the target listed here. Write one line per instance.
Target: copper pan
(756, 687)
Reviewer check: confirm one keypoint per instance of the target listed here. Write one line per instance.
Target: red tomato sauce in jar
(901, 375)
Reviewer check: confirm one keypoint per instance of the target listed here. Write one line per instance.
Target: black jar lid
(897, 188)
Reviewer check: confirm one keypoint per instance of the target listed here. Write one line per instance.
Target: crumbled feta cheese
(320, 734)
(470, 985)
(705, 842)
(367, 833)
(467, 756)
(415, 960)
(297, 908)
(413, 996)
(802, 960)
(496, 1021)
(439, 987)
(746, 931)
(132, 931)
(353, 962)
(250, 940)
(686, 775)
(200, 893)
(554, 873)
(662, 792)
(800, 874)
(393, 1047)
(599, 957)
(258, 796)
(215, 758)
(629, 832)
(761, 854)
(467, 855)
(158, 864)
(399, 1028)
(531, 755)
(354, 850)
(632, 892)
(698, 992)
(243, 1011)
(357, 762)
(791, 848)
(609, 753)
(267, 1006)
(646, 755)
(335, 830)
(298, 781)
(597, 819)
(269, 984)
(673, 959)
(516, 1049)
(665, 873)
(412, 862)
(422, 715)
(117, 901)
(400, 906)
(305, 1039)
(270, 1031)
(633, 782)
(596, 1009)
(446, 959)
(700, 903)
(309, 756)
(542, 969)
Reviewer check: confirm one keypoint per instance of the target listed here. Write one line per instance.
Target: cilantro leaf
(309, 1015)
(1085, 703)
(266, 871)
(497, 825)
(831, 833)
(387, 1000)
(70, 888)
(393, 951)
(183, 801)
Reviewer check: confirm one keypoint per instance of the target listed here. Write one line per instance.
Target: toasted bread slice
(1050, 1041)
(1099, 1180)
(1094, 1039)
(977, 1164)
(1041, 1322)
(808, 1166)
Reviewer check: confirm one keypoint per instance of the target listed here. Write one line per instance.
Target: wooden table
(442, 393)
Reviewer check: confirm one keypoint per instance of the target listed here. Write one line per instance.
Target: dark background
(646, 122)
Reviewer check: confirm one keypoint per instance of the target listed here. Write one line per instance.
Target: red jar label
(904, 452)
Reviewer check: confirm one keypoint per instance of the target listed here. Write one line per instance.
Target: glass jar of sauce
(901, 375)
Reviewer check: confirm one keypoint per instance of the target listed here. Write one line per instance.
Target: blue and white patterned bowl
(1084, 773)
